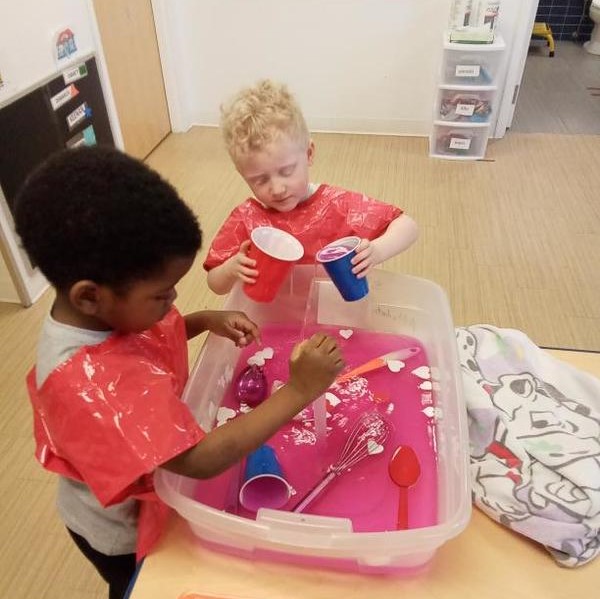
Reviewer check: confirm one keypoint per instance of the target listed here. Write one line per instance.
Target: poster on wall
(65, 46)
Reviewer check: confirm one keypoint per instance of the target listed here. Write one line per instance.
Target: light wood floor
(514, 241)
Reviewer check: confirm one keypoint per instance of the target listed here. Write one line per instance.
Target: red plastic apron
(111, 414)
(330, 213)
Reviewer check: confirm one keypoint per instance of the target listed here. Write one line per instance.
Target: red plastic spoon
(404, 469)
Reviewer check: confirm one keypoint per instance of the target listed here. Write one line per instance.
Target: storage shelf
(496, 46)
(468, 88)
(467, 98)
(451, 157)
(459, 124)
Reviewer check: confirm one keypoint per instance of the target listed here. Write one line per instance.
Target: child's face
(278, 173)
(146, 302)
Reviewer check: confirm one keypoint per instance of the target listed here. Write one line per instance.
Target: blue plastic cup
(336, 257)
(264, 484)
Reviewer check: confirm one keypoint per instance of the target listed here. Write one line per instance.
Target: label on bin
(459, 143)
(465, 109)
(467, 70)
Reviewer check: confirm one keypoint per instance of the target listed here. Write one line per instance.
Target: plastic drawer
(464, 104)
(472, 64)
(459, 141)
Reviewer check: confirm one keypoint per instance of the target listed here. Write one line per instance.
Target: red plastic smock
(329, 214)
(112, 413)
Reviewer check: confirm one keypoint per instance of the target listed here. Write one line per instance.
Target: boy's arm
(221, 278)
(400, 234)
(229, 443)
(226, 323)
(313, 366)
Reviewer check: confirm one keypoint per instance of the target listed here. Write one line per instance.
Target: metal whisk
(370, 427)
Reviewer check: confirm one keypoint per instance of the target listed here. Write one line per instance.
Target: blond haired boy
(269, 143)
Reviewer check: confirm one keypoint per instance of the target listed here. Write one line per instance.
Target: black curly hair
(96, 213)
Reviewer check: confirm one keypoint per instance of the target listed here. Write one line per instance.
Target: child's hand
(240, 266)
(365, 259)
(314, 363)
(235, 326)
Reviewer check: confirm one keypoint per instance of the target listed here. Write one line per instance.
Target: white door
(519, 16)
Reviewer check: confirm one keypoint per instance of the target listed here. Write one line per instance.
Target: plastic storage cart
(467, 99)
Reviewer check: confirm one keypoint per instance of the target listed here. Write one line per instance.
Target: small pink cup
(275, 252)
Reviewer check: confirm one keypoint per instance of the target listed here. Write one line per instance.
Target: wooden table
(487, 561)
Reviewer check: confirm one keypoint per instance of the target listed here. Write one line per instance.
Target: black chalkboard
(31, 130)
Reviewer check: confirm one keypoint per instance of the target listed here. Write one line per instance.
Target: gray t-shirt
(112, 530)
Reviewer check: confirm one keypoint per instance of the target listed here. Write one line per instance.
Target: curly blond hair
(258, 115)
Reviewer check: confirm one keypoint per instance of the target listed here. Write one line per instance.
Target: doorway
(132, 59)
(560, 94)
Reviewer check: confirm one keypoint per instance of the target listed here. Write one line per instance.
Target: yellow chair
(543, 30)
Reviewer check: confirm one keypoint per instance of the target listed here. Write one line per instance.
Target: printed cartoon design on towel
(534, 429)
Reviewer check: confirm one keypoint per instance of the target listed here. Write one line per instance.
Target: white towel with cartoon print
(534, 431)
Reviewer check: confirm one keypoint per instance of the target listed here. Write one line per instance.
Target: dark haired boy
(114, 239)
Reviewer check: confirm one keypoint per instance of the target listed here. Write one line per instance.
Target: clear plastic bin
(472, 64)
(459, 141)
(397, 304)
(464, 104)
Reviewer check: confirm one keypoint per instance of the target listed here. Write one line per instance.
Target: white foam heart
(373, 447)
(277, 384)
(346, 333)
(395, 365)
(267, 353)
(429, 411)
(256, 360)
(423, 372)
(224, 414)
(333, 400)
(433, 412)
(426, 386)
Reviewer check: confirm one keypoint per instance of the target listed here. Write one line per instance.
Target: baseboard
(345, 125)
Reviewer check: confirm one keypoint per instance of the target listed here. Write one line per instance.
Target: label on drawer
(467, 70)
(459, 143)
(465, 109)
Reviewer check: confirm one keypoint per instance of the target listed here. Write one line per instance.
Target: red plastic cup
(275, 252)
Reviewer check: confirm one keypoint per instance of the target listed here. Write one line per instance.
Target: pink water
(365, 494)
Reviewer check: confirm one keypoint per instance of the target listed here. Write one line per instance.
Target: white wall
(354, 65)
(27, 37)
(27, 32)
